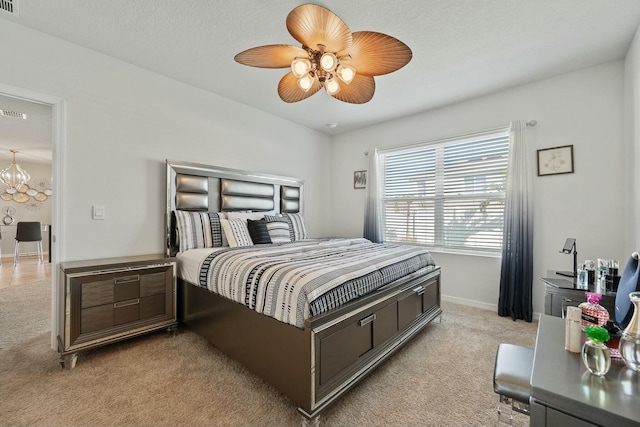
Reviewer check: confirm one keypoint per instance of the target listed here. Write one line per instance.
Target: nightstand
(108, 300)
(562, 293)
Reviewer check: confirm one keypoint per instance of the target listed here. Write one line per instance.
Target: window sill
(474, 254)
(451, 251)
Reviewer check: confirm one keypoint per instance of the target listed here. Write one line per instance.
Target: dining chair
(28, 231)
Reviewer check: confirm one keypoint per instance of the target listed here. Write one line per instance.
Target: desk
(564, 393)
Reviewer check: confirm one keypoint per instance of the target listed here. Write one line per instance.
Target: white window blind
(447, 195)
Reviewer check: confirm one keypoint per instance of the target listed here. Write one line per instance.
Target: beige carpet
(442, 378)
(25, 311)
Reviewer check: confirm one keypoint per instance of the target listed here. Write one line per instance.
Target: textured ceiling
(461, 48)
(31, 137)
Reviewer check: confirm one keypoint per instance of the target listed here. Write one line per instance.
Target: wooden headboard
(196, 187)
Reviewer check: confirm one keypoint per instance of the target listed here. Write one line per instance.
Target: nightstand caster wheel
(69, 361)
(172, 330)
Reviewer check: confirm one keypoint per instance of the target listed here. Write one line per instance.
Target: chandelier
(13, 176)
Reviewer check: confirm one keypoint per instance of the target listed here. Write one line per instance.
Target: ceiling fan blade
(271, 56)
(375, 54)
(289, 90)
(359, 91)
(313, 25)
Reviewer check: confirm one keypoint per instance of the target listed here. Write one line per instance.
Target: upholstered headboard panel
(192, 192)
(204, 188)
(289, 199)
(243, 195)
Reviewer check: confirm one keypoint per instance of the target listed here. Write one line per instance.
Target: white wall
(123, 122)
(632, 146)
(583, 108)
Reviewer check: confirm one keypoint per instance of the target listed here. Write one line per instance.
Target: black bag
(629, 282)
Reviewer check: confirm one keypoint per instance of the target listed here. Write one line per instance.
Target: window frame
(440, 199)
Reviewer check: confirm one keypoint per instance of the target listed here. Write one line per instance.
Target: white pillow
(236, 232)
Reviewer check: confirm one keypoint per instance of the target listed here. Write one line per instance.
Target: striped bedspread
(293, 281)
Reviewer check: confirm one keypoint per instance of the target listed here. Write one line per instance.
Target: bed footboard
(316, 365)
(346, 348)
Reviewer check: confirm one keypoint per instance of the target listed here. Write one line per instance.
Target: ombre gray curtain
(373, 205)
(516, 275)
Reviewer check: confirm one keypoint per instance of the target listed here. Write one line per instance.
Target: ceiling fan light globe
(328, 61)
(300, 67)
(305, 82)
(346, 73)
(332, 87)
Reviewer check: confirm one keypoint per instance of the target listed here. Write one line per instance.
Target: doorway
(56, 126)
(25, 152)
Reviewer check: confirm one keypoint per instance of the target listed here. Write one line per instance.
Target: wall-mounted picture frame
(555, 160)
(360, 179)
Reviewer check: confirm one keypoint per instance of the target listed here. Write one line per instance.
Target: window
(447, 195)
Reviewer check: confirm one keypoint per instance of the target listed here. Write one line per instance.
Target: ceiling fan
(331, 56)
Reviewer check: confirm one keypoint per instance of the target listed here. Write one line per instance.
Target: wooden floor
(27, 271)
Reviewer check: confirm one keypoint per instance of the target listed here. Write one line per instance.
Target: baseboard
(470, 302)
(478, 304)
(45, 255)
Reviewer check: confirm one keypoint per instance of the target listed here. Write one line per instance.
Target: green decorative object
(597, 333)
(595, 354)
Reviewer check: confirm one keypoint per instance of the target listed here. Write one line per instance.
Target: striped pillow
(278, 231)
(194, 230)
(236, 232)
(285, 219)
(297, 225)
(258, 231)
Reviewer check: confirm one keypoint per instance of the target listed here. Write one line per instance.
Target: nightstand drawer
(126, 288)
(152, 306)
(96, 318)
(126, 311)
(97, 293)
(152, 284)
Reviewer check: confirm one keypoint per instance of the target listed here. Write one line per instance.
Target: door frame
(58, 144)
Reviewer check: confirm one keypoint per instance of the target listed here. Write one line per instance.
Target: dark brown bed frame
(315, 365)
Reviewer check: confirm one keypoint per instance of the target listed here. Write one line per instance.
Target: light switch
(97, 212)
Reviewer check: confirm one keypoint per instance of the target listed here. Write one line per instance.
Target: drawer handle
(126, 303)
(127, 279)
(367, 320)
(419, 290)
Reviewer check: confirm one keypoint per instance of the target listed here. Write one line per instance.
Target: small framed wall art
(360, 179)
(555, 160)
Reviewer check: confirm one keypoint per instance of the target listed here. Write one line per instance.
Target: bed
(310, 316)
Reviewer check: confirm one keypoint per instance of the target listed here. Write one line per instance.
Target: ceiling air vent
(14, 114)
(9, 6)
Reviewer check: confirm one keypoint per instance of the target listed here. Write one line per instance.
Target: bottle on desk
(592, 312)
(582, 279)
(573, 330)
